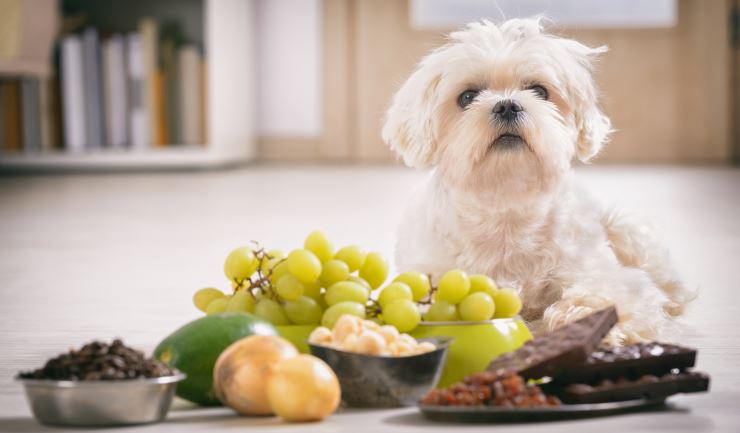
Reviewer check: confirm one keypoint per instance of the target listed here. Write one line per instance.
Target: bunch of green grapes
(310, 285)
(471, 298)
(317, 284)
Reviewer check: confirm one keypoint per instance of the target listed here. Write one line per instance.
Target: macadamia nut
(320, 335)
(352, 334)
(345, 326)
(370, 343)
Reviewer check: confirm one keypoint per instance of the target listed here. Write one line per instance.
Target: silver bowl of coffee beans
(100, 384)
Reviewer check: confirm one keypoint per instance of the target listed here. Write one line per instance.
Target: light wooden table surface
(99, 256)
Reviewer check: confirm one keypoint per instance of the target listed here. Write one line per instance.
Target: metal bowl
(385, 381)
(100, 403)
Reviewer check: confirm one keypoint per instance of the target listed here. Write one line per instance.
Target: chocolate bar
(647, 386)
(565, 347)
(631, 361)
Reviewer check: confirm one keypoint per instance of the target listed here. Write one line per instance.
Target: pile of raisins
(100, 361)
(499, 388)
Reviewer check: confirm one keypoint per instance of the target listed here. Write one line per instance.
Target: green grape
(333, 271)
(304, 311)
(441, 311)
(453, 286)
(241, 301)
(312, 290)
(279, 269)
(304, 265)
(271, 311)
(240, 264)
(360, 281)
(321, 300)
(483, 283)
(352, 255)
(289, 287)
(403, 314)
(476, 307)
(508, 304)
(393, 292)
(320, 245)
(203, 297)
(275, 256)
(333, 313)
(418, 282)
(374, 270)
(217, 305)
(345, 291)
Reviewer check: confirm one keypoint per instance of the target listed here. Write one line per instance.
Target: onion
(242, 370)
(303, 388)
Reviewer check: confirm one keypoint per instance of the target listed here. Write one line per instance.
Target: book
(171, 79)
(160, 116)
(45, 115)
(73, 94)
(115, 91)
(30, 114)
(191, 104)
(56, 130)
(10, 105)
(203, 101)
(149, 34)
(138, 119)
(94, 108)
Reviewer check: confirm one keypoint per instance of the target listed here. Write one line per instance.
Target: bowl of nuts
(376, 366)
(100, 384)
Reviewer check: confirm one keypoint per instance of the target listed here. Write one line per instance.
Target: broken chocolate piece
(648, 386)
(631, 361)
(562, 348)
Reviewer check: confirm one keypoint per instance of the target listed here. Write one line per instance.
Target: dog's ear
(409, 127)
(592, 125)
(593, 131)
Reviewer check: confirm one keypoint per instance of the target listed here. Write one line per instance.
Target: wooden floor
(98, 256)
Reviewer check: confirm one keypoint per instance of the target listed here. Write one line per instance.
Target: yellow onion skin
(303, 388)
(242, 370)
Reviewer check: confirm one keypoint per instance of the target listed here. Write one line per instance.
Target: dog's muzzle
(508, 141)
(507, 111)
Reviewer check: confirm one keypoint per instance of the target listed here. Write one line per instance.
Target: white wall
(289, 72)
(430, 14)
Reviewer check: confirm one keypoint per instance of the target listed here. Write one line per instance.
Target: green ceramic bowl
(474, 344)
(297, 334)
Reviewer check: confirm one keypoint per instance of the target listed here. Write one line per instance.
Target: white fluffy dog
(500, 112)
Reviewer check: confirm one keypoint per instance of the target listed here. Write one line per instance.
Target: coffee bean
(100, 361)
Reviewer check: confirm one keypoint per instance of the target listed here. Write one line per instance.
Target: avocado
(194, 348)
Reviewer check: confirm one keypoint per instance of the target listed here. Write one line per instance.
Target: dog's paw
(571, 309)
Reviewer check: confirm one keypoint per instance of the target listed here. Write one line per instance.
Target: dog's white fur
(517, 214)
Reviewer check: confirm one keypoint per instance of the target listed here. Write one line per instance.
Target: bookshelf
(227, 36)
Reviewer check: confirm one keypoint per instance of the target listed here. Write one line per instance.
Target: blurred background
(142, 140)
(105, 84)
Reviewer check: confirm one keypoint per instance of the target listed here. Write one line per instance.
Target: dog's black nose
(507, 109)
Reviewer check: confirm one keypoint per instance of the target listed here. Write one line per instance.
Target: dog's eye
(467, 97)
(539, 90)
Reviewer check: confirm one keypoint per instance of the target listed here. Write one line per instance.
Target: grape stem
(372, 308)
(262, 282)
(428, 298)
